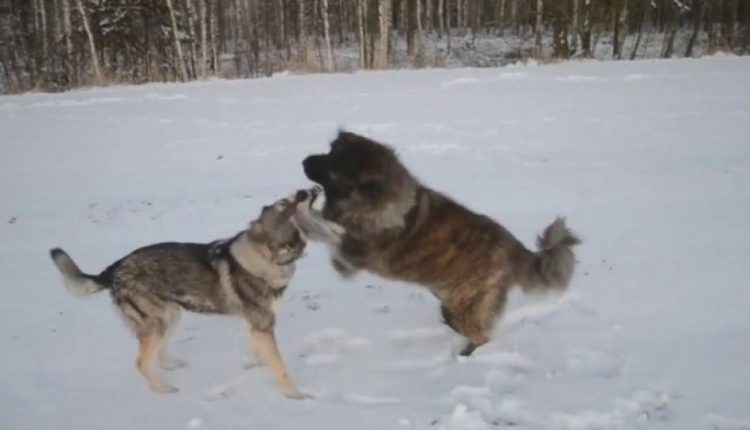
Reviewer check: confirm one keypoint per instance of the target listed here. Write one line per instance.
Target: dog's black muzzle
(316, 169)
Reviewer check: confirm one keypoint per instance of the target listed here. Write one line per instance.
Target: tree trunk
(70, 64)
(327, 36)
(618, 30)
(177, 44)
(384, 20)
(644, 19)
(92, 44)
(46, 63)
(302, 45)
(732, 25)
(214, 24)
(441, 20)
(539, 28)
(560, 28)
(361, 32)
(418, 36)
(204, 38)
(586, 30)
(668, 46)
(698, 10)
(428, 13)
(575, 32)
(193, 36)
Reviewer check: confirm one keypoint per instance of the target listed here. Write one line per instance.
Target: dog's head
(358, 174)
(275, 229)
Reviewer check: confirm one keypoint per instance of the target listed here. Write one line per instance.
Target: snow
(648, 160)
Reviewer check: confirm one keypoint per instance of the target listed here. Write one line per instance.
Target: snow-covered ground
(650, 162)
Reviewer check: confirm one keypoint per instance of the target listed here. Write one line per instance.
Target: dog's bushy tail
(77, 282)
(552, 266)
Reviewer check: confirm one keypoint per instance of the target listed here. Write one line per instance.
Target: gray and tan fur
(379, 218)
(244, 276)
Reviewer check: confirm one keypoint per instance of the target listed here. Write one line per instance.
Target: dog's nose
(314, 167)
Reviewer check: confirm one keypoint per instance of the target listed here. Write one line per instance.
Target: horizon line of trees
(53, 45)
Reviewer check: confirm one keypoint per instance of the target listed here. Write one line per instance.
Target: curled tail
(77, 282)
(552, 266)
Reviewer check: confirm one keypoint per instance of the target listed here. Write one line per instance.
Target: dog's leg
(166, 361)
(253, 354)
(315, 227)
(472, 314)
(150, 343)
(265, 341)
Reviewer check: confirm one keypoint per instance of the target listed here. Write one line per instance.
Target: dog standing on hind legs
(379, 218)
(244, 276)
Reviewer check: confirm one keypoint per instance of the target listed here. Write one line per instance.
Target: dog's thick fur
(378, 217)
(243, 276)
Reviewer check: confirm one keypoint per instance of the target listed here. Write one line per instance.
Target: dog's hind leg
(150, 344)
(166, 361)
(473, 315)
(265, 341)
(148, 317)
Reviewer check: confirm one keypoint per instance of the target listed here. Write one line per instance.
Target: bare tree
(204, 37)
(539, 28)
(698, 11)
(585, 32)
(574, 26)
(190, 11)
(302, 45)
(441, 18)
(560, 23)
(644, 19)
(361, 31)
(419, 30)
(69, 53)
(384, 20)
(92, 45)
(619, 23)
(177, 45)
(327, 36)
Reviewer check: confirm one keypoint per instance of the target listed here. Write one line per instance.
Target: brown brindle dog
(378, 217)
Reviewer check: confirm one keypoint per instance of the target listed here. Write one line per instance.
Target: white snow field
(650, 162)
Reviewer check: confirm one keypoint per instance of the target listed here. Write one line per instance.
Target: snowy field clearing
(650, 162)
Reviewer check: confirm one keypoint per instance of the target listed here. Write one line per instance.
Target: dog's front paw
(306, 197)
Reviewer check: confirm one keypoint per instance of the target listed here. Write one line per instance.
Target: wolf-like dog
(244, 276)
(378, 217)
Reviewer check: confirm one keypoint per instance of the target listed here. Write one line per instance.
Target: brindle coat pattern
(243, 276)
(395, 227)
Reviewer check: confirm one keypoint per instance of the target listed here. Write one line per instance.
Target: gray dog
(243, 276)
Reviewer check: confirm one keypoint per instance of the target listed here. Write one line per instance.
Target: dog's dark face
(356, 172)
